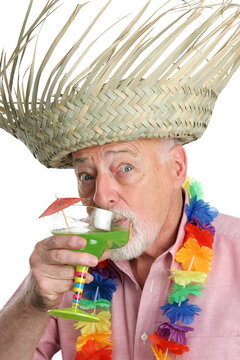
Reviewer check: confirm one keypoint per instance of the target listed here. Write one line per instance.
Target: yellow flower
(186, 185)
(103, 325)
(195, 258)
(186, 277)
(101, 338)
(159, 354)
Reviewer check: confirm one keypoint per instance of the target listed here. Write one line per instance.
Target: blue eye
(127, 167)
(85, 177)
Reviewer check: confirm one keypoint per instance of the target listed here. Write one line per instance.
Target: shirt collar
(181, 229)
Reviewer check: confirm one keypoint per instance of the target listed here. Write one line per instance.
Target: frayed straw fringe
(119, 96)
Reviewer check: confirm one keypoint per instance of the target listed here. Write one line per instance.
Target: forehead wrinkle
(126, 151)
(104, 152)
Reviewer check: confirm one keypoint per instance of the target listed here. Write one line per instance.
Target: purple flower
(201, 210)
(107, 272)
(106, 288)
(202, 226)
(184, 312)
(174, 331)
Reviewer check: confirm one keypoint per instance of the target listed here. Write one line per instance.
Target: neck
(166, 238)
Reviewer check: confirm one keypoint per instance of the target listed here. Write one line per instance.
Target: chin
(125, 253)
(140, 240)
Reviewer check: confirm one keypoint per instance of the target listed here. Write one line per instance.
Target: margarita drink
(99, 241)
(102, 230)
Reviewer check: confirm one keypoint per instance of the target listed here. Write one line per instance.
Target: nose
(106, 195)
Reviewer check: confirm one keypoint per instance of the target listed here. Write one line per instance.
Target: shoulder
(227, 226)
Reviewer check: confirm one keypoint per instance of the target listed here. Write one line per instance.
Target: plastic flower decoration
(196, 190)
(104, 264)
(90, 351)
(103, 325)
(101, 339)
(183, 312)
(106, 288)
(203, 237)
(174, 332)
(103, 268)
(208, 226)
(186, 185)
(193, 257)
(201, 210)
(159, 354)
(185, 277)
(98, 304)
(163, 344)
(180, 293)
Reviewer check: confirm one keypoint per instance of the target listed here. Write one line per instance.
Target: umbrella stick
(65, 218)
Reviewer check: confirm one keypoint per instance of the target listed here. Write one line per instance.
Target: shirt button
(144, 337)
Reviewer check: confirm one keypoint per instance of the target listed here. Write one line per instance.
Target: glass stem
(80, 278)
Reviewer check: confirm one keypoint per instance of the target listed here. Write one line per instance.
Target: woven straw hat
(136, 88)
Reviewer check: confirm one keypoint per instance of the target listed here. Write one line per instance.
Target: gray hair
(165, 146)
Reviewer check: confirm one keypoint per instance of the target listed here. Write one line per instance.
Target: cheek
(154, 202)
(85, 191)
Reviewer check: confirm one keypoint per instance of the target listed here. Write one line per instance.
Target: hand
(50, 276)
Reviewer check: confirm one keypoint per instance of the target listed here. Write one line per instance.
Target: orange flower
(195, 258)
(101, 338)
(159, 354)
(90, 351)
(203, 237)
(170, 345)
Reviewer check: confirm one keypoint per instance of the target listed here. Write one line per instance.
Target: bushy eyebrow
(78, 160)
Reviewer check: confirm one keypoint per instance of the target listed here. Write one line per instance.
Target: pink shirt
(135, 311)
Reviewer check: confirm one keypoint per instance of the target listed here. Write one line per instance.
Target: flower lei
(195, 255)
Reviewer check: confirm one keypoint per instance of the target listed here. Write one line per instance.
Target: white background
(27, 187)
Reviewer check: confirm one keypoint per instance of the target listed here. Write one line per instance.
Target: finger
(57, 272)
(49, 288)
(64, 242)
(105, 255)
(89, 278)
(73, 258)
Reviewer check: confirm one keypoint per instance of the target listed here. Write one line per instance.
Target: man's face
(129, 178)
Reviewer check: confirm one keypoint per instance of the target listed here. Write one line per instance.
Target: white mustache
(120, 213)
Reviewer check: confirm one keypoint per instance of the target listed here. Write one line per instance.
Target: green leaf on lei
(196, 190)
(98, 304)
(179, 293)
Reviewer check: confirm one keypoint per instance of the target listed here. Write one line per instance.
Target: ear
(178, 163)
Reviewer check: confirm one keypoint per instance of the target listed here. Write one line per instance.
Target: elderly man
(123, 135)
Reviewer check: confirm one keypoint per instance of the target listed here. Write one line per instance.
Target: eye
(85, 177)
(126, 168)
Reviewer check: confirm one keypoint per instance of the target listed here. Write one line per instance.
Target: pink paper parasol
(60, 204)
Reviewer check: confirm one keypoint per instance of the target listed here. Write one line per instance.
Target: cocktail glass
(102, 229)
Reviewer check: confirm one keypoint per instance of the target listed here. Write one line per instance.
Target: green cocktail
(102, 230)
(99, 241)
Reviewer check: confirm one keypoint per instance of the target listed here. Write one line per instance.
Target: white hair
(165, 146)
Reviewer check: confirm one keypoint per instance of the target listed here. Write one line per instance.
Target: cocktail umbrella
(60, 204)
